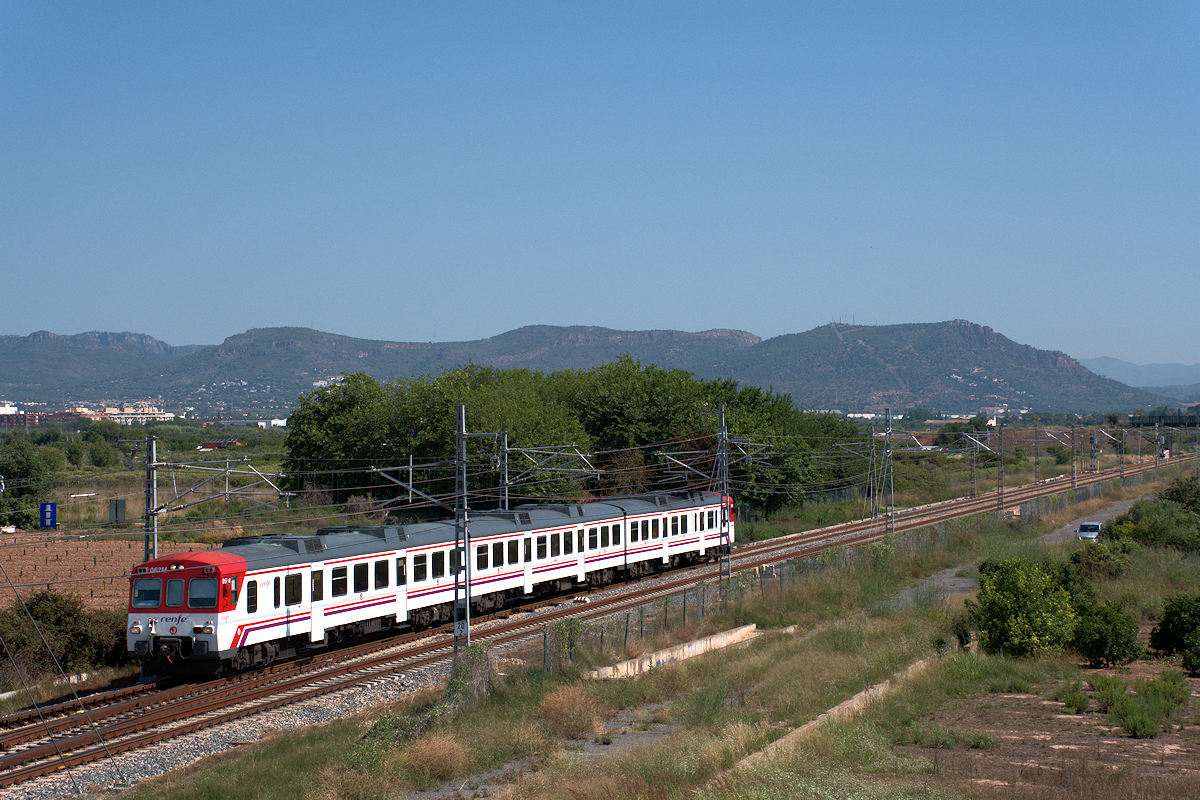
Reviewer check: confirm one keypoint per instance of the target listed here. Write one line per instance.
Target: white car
(1088, 531)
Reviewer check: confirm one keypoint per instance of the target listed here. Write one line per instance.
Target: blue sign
(49, 515)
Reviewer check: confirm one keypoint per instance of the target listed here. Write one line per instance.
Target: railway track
(45, 740)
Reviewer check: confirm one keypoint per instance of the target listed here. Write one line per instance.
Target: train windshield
(147, 593)
(202, 593)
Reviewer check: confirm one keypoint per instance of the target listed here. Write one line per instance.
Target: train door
(401, 588)
(316, 595)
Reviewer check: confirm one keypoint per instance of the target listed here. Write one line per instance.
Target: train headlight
(135, 628)
(206, 628)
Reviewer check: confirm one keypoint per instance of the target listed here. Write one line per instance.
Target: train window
(318, 585)
(362, 580)
(616, 534)
(654, 527)
(568, 543)
(514, 551)
(541, 547)
(251, 596)
(277, 592)
(645, 530)
(580, 537)
(401, 572)
(481, 557)
(674, 526)
(202, 592)
(291, 589)
(381, 574)
(174, 592)
(418, 565)
(593, 538)
(233, 595)
(455, 561)
(712, 519)
(497, 554)
(604, 536)
(437, 566)
(528, 550)
(147, 593)
(555, 545)
(683, 520)
(337, 582)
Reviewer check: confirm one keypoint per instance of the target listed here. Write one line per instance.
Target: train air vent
(523, 518)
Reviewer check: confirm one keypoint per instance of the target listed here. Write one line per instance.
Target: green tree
(1161, 523)
(28, 480)
(1021, 610)
(1180, 619)
(1185, 492)
(1106, 636)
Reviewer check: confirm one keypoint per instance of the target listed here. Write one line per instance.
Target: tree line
(623, 413)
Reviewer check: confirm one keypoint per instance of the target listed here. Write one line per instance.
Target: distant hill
(955, 366)
(1147, 375)
(1189, 393)
(948, 366)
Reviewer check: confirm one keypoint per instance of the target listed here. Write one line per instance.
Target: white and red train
(256, 599)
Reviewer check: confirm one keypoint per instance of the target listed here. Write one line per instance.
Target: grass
(722, 706)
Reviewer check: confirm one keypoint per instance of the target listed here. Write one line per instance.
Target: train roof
(282, 550)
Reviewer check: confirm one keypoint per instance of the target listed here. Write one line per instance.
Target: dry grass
(433, 758)
(571, 712)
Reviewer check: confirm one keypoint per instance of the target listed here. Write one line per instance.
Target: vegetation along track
(43, 740)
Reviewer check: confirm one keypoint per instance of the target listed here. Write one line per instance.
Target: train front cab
(176, 610)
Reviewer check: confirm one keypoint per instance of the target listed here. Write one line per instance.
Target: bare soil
(93, 570)
(1043, 751)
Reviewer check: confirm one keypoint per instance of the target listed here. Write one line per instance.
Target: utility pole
(725, 565)
(151, 548)
(1074, 464)
(887, 454)
(1037, 434)
(1000, 476)
(462, 537)
(974, 480)
(462, 525)
(1095, 454)
(1157, 445)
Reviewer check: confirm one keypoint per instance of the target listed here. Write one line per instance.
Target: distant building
(139, 413)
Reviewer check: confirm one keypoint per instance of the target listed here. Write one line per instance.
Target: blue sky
(437, 171)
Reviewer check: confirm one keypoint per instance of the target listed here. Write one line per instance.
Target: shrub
(1133, 714)
(1185, 492)
(434, 757)
(1071, 695)
(1108, 559)
(1020, 610)
(571, 712)
(1180, 619)
(1191, 652)
(1107, 636)
(1160, 523)
(77, 638)
(1108, 690)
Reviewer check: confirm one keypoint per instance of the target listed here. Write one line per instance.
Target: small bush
(434, 757)
(982, 741)
(1134, 715)
(1158, 523)
(571, 712)
(1191, 653)
(1071, 695)
(1103, 559)
(1108, 690)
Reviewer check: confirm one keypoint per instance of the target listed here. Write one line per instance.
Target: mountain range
(954, 366)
